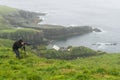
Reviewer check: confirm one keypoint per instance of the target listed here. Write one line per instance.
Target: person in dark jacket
(18, 44)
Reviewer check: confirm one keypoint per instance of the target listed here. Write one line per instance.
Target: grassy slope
(5, 43)
(16, 30)
(31, 67)
(6, 27)
(3, 11)
(8, 31)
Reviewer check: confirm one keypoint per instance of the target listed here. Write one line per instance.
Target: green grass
(48, 26)
(32, 67)
(73, 53)
(3, 23)
(6, 43)
(5, 10)
(15, 33)
(16, 30)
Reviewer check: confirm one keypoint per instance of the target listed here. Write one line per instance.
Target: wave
(105, 44)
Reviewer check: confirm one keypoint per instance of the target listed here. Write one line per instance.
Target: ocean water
(104, 14)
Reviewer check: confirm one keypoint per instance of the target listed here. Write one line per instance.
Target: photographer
(18, 44)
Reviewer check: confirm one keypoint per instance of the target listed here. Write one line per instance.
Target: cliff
(58, 32)
(15, 19)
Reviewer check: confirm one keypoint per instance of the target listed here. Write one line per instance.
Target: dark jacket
(17, 45)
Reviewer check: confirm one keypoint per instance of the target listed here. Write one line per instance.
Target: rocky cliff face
(28, 19)
(58, 33)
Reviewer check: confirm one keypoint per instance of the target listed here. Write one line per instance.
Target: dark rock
(97, 30)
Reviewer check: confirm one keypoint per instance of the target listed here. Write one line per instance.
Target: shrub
(101, 71)
(114, 72)
(74, 53)
(34, 77)
(82, 77)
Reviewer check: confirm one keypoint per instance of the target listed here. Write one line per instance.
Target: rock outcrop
(96, 30)
(64, 32)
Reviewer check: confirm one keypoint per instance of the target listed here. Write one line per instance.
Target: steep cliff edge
(58, 31)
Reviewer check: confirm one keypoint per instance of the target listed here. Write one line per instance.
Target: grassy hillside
(4, 10)
(15, 30)
(3, 23)
(11, 18)
(6, 43)
(31, 67)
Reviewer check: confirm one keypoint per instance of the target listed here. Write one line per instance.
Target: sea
(102, 14)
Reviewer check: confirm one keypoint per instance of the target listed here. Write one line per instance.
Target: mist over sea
(103, 14)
